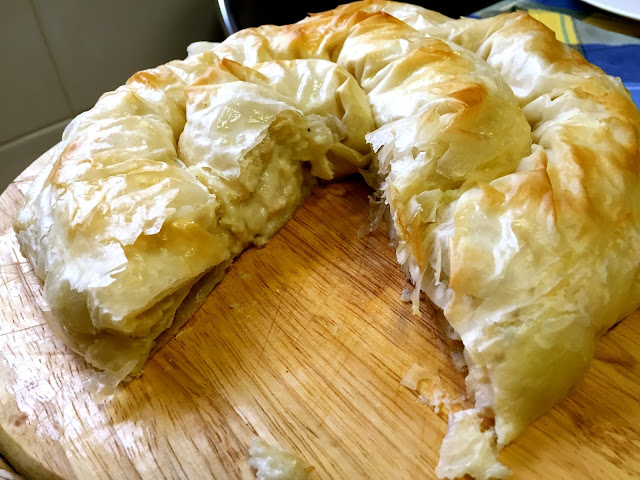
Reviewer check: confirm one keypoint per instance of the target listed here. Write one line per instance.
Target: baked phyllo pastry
(506, 164)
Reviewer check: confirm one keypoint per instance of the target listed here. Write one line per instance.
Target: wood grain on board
(304, 343)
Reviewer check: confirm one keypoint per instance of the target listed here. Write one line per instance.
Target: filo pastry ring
(507, 163)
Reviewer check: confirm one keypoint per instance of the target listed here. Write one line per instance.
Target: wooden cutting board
(304, 343)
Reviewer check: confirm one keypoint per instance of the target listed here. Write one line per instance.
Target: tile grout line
(37, 131)
(67, 97)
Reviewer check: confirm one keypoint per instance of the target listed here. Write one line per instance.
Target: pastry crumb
(274, 463)
(425, 381)
(405, 296)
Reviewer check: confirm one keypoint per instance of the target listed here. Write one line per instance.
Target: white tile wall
(97, 45)
(30, 93)
(59, 56)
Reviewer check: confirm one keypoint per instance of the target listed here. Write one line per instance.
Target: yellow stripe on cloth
(560, 23)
